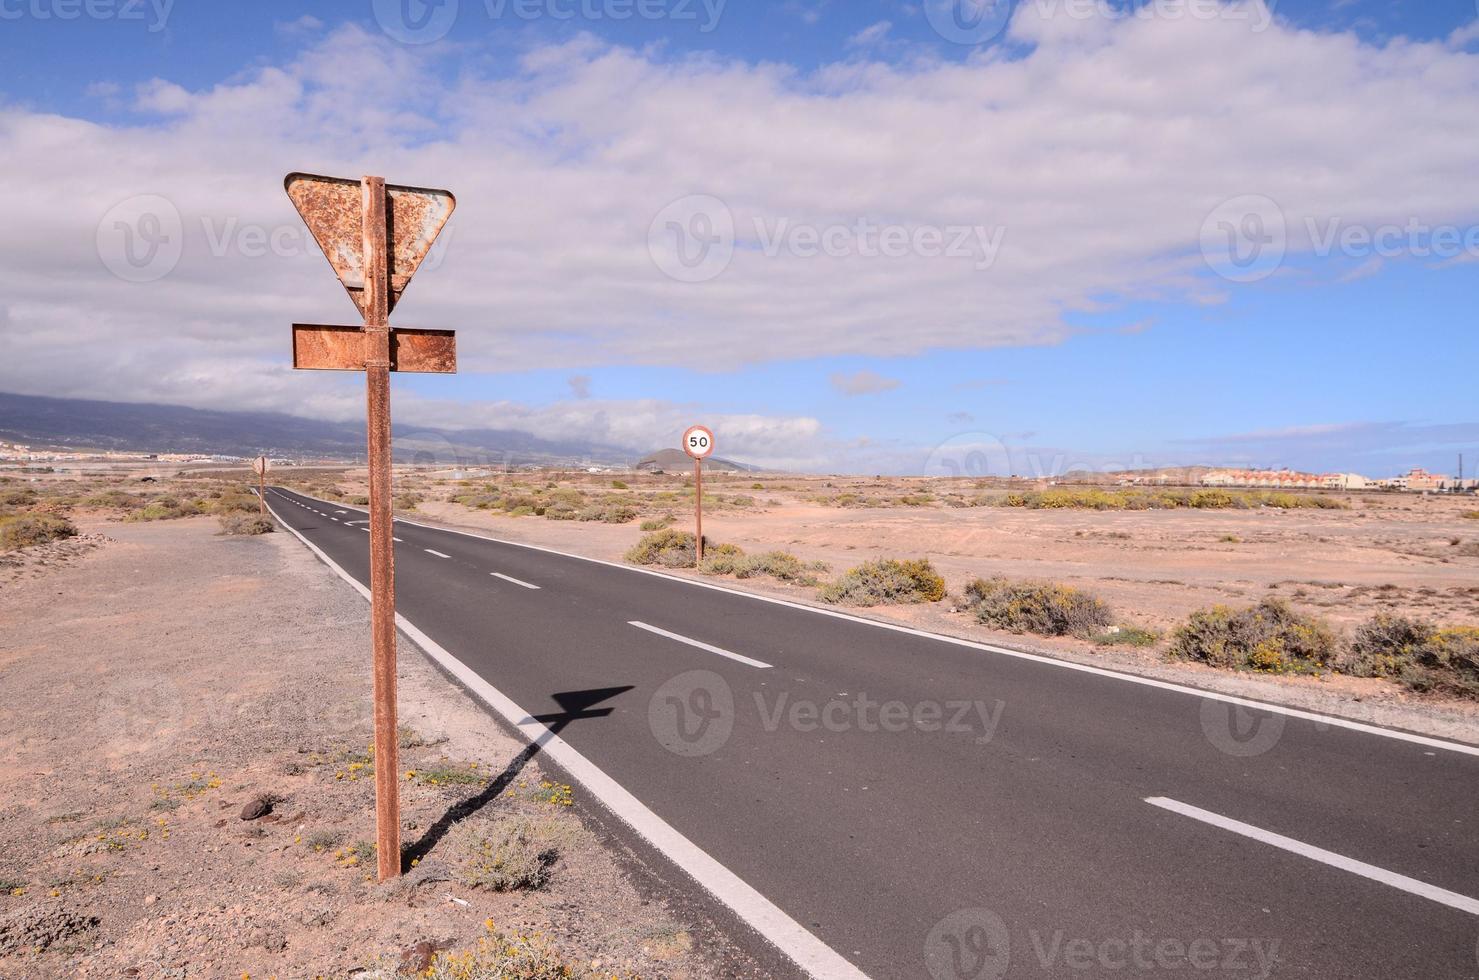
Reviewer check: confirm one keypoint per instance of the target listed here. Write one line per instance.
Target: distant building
(1419, 479)
(1268, 479)
(1347, 481)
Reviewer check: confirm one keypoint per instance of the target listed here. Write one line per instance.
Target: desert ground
(183, 746)
(164, 681)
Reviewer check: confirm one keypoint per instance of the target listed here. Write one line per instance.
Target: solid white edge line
(515, 581)
(1411, 885)
(701, 645)
(753, 908)
(437, 553)
(1278, 709)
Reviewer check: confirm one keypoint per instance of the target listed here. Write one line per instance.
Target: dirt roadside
(169, 678)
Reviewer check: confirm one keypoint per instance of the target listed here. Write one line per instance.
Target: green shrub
(618, 485)
(234, 501)
(657, 523)
(1128, 636)
(27, 530)
(1044, 608)
(245, 524)
(405, 501)
(730, 560)
(166, 509)
(17, 498)
(359, 500)
(1471, 515)
(887, 582)
(1269, 637)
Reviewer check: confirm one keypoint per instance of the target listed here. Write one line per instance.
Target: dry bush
(672, 549)
(887, 582)
(1421, 656)
(508, 854)
(1044, 608)
(731, 560)
(167, 508)
(26, 530)
(498, 956)
(238, 523)
(1268, 637)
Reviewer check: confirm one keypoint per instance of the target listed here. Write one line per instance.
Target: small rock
(150, 899)
(259, 807)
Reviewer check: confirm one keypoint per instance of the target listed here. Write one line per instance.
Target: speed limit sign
(260, 466)
(698, 442)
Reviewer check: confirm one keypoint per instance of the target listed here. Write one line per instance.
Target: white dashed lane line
(700, 645)
(515, 581)
(437, 553)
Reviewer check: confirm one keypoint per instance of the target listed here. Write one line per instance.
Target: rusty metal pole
(698, 509)
(262, 492)
(382, 553)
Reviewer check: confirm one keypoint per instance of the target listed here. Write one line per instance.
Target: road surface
(931, 809)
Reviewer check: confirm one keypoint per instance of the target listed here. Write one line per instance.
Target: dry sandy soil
(158, 681)
(1387, 553)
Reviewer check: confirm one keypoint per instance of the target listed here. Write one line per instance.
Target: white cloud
(870, 35)
(1100, 150)
(863, 382)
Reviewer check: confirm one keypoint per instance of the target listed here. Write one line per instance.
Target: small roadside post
(375, 235)
(698, 442)
(260, 466)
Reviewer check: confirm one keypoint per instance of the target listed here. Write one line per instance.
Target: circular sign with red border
(698, 442)
(260, 465)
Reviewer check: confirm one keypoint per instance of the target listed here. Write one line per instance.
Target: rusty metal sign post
(375, 236)
(260, 466)
(698, 442)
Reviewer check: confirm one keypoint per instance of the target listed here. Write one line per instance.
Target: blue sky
(1345, 360)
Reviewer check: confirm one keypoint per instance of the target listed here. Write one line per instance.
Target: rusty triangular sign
(332, 208)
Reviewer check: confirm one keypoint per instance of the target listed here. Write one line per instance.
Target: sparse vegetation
(508, 854)
(1269, 637)
(1205, 499)
(1421, 656)
(669, 548)
(1044, 608)
(495, 957)
(731, 560)
(887, 582)
(246, 524)
(27, 530)
(1128, 636)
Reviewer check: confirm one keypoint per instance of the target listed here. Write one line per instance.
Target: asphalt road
(929, 809)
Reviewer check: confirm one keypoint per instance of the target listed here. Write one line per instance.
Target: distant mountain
(677, 461)
(123, 426)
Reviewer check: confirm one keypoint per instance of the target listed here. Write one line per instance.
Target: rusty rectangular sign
(333, 210)
(318, 347)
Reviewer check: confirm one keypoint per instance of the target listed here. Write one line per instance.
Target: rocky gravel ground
(188, 792)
